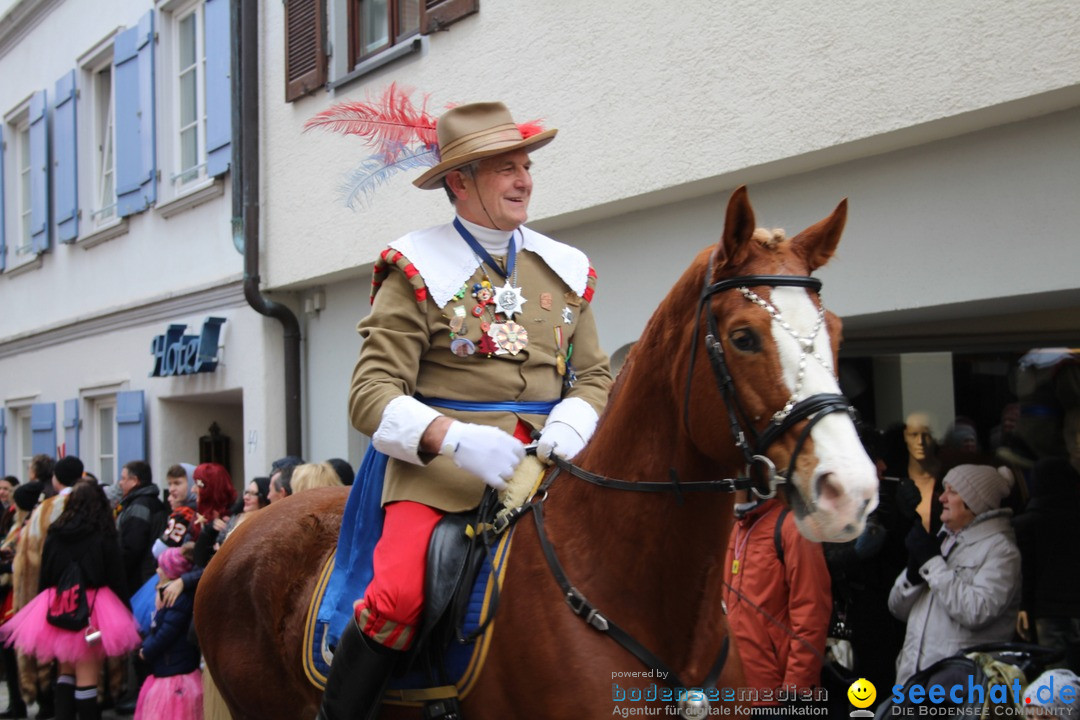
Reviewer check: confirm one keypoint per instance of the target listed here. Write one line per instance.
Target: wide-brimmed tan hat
(475, 131)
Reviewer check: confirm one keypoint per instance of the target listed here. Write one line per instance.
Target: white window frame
(16, 195)
(24, 206)
(24, 440)
(103, 127)
(97, 405)
(101, 221)
(182, 178)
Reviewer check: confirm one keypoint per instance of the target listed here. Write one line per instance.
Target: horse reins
(814, 408)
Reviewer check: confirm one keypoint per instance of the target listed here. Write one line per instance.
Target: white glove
(487, 452)
(558, 438)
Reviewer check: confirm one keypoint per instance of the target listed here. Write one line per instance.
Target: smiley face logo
(862, 693)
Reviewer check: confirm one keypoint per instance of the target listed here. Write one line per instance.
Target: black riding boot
(358, 677)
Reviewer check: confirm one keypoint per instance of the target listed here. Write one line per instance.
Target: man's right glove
(487, 452)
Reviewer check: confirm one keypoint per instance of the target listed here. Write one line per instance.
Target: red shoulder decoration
(391, 257)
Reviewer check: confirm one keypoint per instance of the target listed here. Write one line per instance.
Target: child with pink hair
(174, 688)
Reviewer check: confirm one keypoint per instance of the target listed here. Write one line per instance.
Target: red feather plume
(402, 135)
(390, 124)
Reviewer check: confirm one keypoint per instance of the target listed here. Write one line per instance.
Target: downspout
(244, 22)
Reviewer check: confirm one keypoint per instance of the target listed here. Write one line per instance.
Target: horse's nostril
(826, 489)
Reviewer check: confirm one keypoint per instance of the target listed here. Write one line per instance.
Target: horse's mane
(661, 330)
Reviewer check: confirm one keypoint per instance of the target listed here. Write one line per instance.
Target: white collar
(445, 262)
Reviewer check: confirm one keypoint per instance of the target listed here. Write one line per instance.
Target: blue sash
(362, 522)
(527, 407)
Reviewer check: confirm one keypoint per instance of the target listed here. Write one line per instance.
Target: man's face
(5, 492)
(498, 197)
(178, 491)
(917, 436)
(955, 514)
(274, 494)
(127, 481)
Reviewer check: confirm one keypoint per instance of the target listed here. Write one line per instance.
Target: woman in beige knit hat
(962, 587)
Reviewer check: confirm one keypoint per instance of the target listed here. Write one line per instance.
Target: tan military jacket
(407, 350)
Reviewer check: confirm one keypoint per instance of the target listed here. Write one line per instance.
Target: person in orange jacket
(778, 601)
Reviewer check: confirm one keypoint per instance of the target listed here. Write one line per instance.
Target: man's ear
(455, 179)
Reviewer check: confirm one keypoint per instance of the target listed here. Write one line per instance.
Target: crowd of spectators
(124, 560)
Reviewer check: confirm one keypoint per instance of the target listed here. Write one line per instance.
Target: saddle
(466, 562)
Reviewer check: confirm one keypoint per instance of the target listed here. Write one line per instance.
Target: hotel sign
(178, 354)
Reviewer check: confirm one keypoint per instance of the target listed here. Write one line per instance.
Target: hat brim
(432, 178)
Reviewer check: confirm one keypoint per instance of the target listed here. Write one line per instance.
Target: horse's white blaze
(839, 515)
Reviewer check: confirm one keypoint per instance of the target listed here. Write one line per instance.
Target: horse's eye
(745, 340)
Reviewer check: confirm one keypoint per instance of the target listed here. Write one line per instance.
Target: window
(104, 177)
(22, 167)
(104, 433)
(378, 24)
(190, 94)
(369, 33)
(24, 441)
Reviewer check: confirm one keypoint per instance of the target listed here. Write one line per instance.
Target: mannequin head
(918, 436)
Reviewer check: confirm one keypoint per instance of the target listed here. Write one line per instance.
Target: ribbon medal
(509, 337)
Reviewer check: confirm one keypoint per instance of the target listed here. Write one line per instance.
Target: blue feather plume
(359, 187)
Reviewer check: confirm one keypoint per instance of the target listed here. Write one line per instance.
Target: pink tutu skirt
(178, 697)
(32, 634)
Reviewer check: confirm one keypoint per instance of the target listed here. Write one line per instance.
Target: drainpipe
(244, 22)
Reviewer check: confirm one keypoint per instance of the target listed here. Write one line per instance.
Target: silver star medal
(568, 315)
(508, 300)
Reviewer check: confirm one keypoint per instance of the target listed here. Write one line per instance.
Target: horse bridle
(815, 408)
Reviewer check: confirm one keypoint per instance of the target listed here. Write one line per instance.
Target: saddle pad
(463, 661)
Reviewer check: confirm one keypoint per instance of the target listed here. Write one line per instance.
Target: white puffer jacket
(971, 595)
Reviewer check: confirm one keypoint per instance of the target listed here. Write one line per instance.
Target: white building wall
(951, 127)
(655, 105)
(157, 255)
(171, 259)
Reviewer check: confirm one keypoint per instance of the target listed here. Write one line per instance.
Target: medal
(508, 300)
(545, 301)
(462, 347)
(457, 323)
(567, 315)
(486, 345)
(509, 337)
(560, 365)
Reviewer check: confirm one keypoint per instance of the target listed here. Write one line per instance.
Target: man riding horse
(480, 333)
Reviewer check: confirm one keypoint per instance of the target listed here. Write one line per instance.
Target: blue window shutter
(39, 172)
(43, 429)
(65, 168)
(3, 441)
(3, 242)
(136, 168)
(218, 87)
(130, 428)
(71, 426)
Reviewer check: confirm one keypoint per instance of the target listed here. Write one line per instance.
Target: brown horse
(651, 561)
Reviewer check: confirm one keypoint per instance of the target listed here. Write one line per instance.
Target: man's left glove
(558, 438)
(921, 546)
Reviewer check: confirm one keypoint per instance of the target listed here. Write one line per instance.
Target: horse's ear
(738, 228)
(817, 243)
